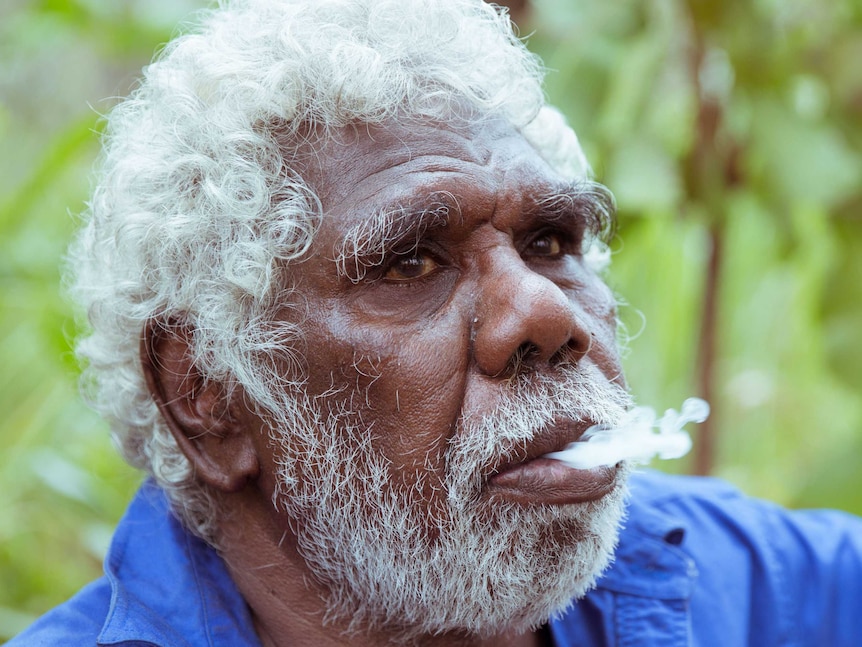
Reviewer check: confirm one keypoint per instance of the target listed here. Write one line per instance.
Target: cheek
(598, 305)
(405, 383)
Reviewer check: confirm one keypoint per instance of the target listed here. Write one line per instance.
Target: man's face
(454, 333)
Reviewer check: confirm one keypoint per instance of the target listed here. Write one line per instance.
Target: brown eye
(548, 244)
(408, 268)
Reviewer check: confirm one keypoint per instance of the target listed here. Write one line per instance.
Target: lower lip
(550, 482)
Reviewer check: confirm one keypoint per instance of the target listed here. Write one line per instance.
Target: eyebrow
(584, 204)
(397, 229)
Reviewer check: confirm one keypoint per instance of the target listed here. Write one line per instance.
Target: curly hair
(198, 205)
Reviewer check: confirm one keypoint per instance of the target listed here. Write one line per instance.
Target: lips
(535, 480)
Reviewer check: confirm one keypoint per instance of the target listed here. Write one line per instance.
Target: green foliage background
(730, 132)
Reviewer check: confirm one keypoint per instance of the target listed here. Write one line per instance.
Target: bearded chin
(474, 565)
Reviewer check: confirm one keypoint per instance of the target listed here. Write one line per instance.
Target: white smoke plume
(638, 437)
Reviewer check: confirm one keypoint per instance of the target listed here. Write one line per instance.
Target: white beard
(474, 566)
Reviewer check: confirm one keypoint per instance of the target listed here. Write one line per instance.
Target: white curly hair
(197, 207)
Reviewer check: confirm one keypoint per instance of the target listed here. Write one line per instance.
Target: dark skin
(428, 334)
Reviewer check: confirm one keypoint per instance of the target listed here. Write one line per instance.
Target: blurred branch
(712, 171)
(518, 10)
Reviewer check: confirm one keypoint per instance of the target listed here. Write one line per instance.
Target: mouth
(535, 480)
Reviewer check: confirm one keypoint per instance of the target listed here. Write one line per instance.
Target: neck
(287, 603)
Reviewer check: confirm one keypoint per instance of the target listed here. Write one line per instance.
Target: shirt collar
(169, 587)
(650, 560)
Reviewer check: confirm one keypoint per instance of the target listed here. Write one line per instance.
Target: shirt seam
(200, 588)
(785, 612)
(116, 551)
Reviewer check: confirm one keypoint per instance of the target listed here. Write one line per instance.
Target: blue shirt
(698, 564)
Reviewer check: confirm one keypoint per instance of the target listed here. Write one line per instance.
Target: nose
(523, 316)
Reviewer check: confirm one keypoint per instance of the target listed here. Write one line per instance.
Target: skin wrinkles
(406, 370)
(399, 230)
(433, 363)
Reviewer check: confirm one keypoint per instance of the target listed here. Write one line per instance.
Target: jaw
(416, 576)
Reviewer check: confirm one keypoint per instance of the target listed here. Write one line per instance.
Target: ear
(212, 427)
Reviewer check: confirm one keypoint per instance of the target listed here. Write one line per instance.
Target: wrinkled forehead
(358, 168)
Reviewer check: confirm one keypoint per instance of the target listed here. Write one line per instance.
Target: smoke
(638, 437)
(415, 550)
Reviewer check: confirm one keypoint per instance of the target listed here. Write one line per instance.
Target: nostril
(527, 350)
(562, 356)
(571, 352)
(524, 354)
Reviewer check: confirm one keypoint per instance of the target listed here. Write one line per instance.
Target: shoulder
(75, 623)
(710, 506)
(720, 524)
(162, 586)
(690, 508)
(657, 488)
(776, 572)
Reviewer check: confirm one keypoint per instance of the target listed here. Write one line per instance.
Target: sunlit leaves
(779, 179)
(782, 183)
(62, 482)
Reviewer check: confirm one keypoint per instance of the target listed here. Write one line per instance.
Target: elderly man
(341, 267)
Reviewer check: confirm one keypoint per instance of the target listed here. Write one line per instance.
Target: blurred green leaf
(773, 173)
(645, 178)
(804, 162)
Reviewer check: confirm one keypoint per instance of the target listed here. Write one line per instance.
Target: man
(341, 267)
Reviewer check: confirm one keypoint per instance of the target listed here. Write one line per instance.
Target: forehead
(362, 170)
